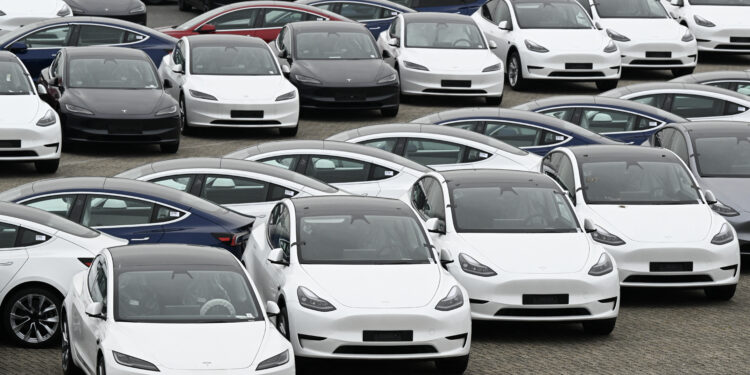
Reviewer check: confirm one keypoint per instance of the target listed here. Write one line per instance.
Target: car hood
(451, 59)
(342, 72)
(657, 223)
(30, 8)
(191, 347)
(104, 6)
(114, 102)
(558, 40)
(240, 88)
(724, 16)
(18, 110)
(730, 191)
(542, 253)
(642, 29)
(377, 286)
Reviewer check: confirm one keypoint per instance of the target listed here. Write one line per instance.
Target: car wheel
(721, 293)
(282, 322)
(456, 365)
(31, 317)
(47, 166)
(184, 126)
(679, 72)
(182, 5)
(515, 72)
(170, 148)
(494, 100)
(68, 365)
(289, 132)
(599, 327)
(607, 84)
(389, 112)
(100, 368)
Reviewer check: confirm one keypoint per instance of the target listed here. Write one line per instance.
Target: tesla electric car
(735, 80)
(718, 25)
(16, 14)
(377, 15)
(127, 10)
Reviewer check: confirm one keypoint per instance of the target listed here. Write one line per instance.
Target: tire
(607, 84)
(69, 366)
(100, 368)
(721, 293)
(45, 305)
(679, 72)
(282, 322)
(455, 365)
(601, 327)
(494, 100)
(389, 112)
(47, 166)
(170, 148)
(183, 6)
(289, 132)
(184, 126)
(515, 72)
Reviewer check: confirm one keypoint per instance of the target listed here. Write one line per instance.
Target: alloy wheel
(66, 353)
(513, 71)
(34, 318)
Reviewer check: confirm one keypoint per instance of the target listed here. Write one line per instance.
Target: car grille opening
(11, 154)
(668, 279)
(586, 66)
(10, 143)
(739, 39)
(245, 122)
(576, 74)
(385, 350)
(658, 54)
(656, 62)
(530, 313)
(454, 91)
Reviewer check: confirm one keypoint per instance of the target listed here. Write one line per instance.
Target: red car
(262, 19)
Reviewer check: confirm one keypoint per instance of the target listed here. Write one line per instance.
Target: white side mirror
(95, 310)
(285, 69)
(492, 44)
(177, 68)
(272, 309)
(41, 89)
(393, 42)
(589, 226)
(503, 25)
(276, 256)
(445, 257)
(710, 197)
(435, 225)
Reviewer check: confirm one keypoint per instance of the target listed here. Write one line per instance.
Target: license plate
(391, 336)
(671, 266)
(545, 299)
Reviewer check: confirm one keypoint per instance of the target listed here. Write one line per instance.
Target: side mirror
(504, 25)
(207, 29)
(677, 3)
(394, 42)
(276, 256)
(167, 84)
(435, 225)
(96, 310)
(598, 26)
(710, 197)
(673, 15)
(285, 69)
(492, 44)
(40, 88)
(282, 54)
(588, 226)
(272, 309)
(386, 54)
(18, 48)
(177, 68)
(445, 257)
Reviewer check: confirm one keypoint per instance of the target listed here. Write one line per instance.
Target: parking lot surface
(658, 331)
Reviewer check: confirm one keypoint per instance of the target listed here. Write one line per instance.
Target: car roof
(105, 52)
(436, 17)
(711, 128)
(427, 129)
(640, 87)
(384, 3)
(327, 145)
(327, 26)
(202, 18)
(228, 164)
(170, 254)
(580, 100)
(84, 19)
(348, 205)
(621, 153)
(497, 176)
(45, 218)
(227, 40)
(713, 76)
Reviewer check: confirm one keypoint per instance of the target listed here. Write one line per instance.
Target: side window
(97, 280)
(8, 235)
(678, 145)
(514, 134)
(385, 144)
(327, 6)
(381, 173)
(233, 190)
(430, 152)
(502, 13)
(743, 88)
(28, 237)
(181, 183)
(287, 39)
(488, 10)
(286, 162)
(466, 125)
(566, 175)
(586, 5)
(279, 224)
(54, 68)
(332, 169)
(361, 12)
(279, 192)
(107, 211)
(281, 44)
(238, 20)
(427, 198)
(473, 155)
(734, 109)
(165, 214)
(60, 205)
(95, 35)
(562, 113)
(600, 120)
(177, 56)
(657, 100)
(54, 37)
(551, 164)
(663, 138)
(697, 106)
(394, 30)
(550, 138)
(281, 17)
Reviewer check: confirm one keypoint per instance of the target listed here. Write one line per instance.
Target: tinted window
(333, 169)
(286, 162)
(97, 280)
(600, 120)
(109, 73)
(165, 214)
(237, 20)
(328, 6)
(53, 37)
(395, 28)
(281, 17)
(181, 183)
(429, 152)
(697, 106)
(362, 12)
(449, 35)
(630, 9)
(657, 101)
(382, 173)
(8, 236)
(743, 88)
(177, 56)
(14, 80)
(279, 224)
(427, 198)
(92, 35)
(232, 61)
(59, 205)
(233, 190)
(280, 192)
(566, 174)
(514, 134)
(466, 125)
(54, 69)
(673, 140)
(104, 211)
(551, 15)
(561, 113)
(385, 144)
(723, 155)
(502, 13)
(29, 237)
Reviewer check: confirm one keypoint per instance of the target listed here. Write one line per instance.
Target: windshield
(232, 61)
(13, 80)
(107, 73)
(723, 155)
(455, 35)
(362, 239)
(630, 9)
(504, 208)
(551, 15)
(720, 2)
(184, 294)
(634, 182)
(335, 46)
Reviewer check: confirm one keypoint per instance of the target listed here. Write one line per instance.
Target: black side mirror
(167, 84)
(282, 54)
(386, 54)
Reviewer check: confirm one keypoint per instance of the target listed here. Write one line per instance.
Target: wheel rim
(281, 324)
(513, 71)
(65, 346)
(34, 318)
(183, 116)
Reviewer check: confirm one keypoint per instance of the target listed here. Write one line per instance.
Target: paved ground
(659, 331)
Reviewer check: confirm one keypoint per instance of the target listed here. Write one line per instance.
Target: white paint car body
(715, 26)
(513, 268)
(426, 70)
(15, 13)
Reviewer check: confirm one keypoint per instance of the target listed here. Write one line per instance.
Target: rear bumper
(147, 130)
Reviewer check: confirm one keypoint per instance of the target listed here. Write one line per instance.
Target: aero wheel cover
(34, 318)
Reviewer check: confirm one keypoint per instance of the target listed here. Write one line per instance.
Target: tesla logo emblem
(348, 80)
(206, 363)
(124, 111)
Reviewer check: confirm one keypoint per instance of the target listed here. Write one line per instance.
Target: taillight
(231, 239)
(86, 261)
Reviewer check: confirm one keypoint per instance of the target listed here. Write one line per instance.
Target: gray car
(734, 80)
(718, 154)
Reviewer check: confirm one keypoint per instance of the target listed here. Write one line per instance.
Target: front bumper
(557, 66)
(207, 113)
(419, 82)
(114, 368)
(353, 97)
(340, 333)
(736, 39)
(30, 143)
(658, 55)
(135, 129)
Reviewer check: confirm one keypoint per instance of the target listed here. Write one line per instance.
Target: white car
(357, 278)
(443, 54)
(718, 25)
(30, 127)
(230, 81)
(39, 254)
(647, 36)
(244, 186)
(549, 40)
(520, 251)
(689, 100)
(169, 309)
(651, 216)
(357, 169)
(15, 13)
(442, 147)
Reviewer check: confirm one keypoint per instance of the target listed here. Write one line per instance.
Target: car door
(42, 46)
(377, 19)
(391, 53)
(243, 194)
(352, 175)
(92, 328)
(176, 80)
(279, 237)
(527, 137)
(240, 22)
(133, 219)
(271, 20)
(492, 14)
(12, 256)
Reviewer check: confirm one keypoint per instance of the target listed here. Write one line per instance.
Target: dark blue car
(138, 211)
(377, 15)
(530, 131)
(37, 44)
(467, 7)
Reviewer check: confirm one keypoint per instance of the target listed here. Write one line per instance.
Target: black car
(112, 95)
(337, 65)
(128, 10)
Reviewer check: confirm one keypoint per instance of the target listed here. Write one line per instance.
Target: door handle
(140, 239)
(6, 264)
(260, 216)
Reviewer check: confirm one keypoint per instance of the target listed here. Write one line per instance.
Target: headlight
(275, 361)
(134, 362)
(48, 119)
(493, 68)
(534, 47)
(688, 37)
(139, 9)
(389, 78)
(724, 210)
(288, 96)
(167, 111)
(471, 266)
(64, 11)
(611, 47)
(201, 95)
(452, 301)
(305, 79)
(602, 267)
(76, 109)
(602, 236)
(724, 236)
(311, 300)
(617, 36)
(414, 66)
(700, 21)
